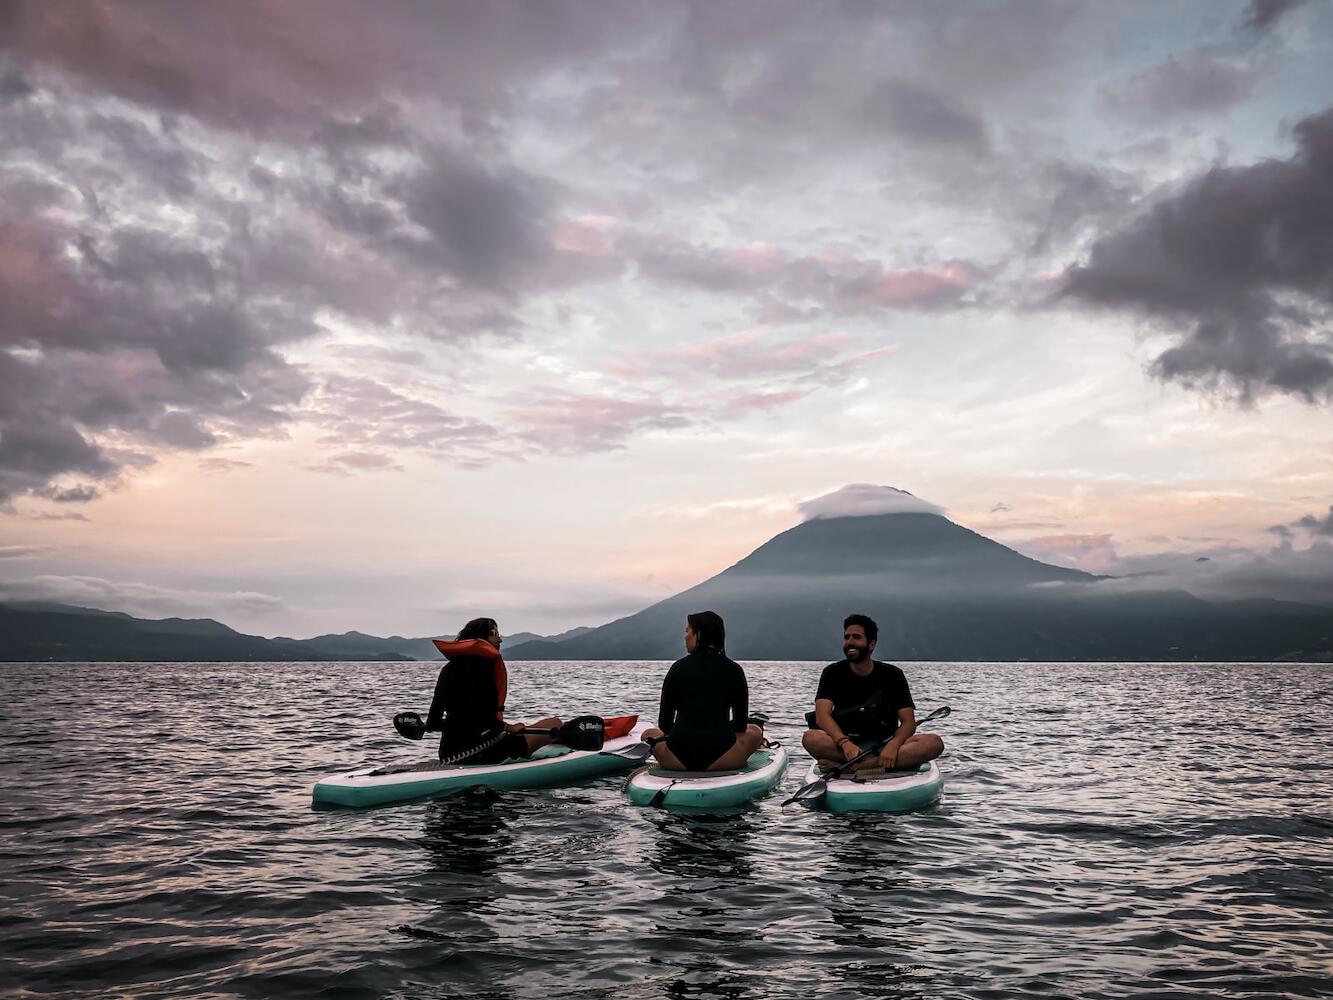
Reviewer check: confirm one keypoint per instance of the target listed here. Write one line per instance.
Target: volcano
(940, 591)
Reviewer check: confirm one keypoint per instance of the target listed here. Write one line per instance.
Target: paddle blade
(637, 753)
(813, 790)
(409, 725)
(620, 725)
(587, 732)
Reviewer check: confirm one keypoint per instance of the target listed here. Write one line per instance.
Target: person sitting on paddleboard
(704, 712)
(468, 707)
(861, 700)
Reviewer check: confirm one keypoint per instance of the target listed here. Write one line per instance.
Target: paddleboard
(709, 789)
(550, 766)
(896, 792)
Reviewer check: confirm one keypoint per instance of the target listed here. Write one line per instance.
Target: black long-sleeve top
(704, 692)
(466, 700)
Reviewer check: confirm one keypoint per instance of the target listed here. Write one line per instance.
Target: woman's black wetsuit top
(466, 707)
(705, 703)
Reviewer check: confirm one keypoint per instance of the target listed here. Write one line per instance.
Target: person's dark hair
(866, 622)
(478, 628)
(709, 628)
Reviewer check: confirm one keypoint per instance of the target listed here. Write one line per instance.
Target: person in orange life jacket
(704, 711)
(469, 702)
(888, 710)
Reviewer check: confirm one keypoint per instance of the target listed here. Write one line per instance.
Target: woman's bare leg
(537, 740)
(746, 743)
(662, 752)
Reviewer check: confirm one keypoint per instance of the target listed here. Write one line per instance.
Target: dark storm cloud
(1078, 194)
(486, 226)
(1261, 15)
(1238, 265)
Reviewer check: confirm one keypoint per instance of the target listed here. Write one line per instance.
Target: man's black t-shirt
(848, 690)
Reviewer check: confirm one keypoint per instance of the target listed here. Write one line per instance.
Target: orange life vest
(482, 648)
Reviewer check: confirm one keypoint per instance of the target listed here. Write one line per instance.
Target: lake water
(1107, 830)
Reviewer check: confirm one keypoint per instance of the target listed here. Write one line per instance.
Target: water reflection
(694, 846)
(873, 916)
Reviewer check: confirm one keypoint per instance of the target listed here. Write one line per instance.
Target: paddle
(819, 786)
(587, 732)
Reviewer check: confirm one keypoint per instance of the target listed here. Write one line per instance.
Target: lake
(1107, 830)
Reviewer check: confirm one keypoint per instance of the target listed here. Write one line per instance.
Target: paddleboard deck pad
(894, 791)
(551, 766)
(709, 789)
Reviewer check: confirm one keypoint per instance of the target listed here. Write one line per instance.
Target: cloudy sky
(325, 315)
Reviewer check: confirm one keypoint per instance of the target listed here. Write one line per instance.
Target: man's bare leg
(819, 745)
(917, 750)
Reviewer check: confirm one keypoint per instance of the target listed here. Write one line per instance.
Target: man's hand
(513, 727)
(888, 757)
(849, 750)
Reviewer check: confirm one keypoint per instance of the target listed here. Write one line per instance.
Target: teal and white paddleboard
(549, 767)
(895, 792)
(709, 789)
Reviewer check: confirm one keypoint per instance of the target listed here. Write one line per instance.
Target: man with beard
(862, 701)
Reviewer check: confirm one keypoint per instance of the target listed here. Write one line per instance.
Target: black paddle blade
(816, 788)
(409, 725)
(659, 797)
(587, 732)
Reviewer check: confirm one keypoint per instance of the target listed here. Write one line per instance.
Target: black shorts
(697, 750)
(510, 745)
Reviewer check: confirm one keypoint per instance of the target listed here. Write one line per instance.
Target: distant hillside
(43, 630)
(60, 632)
(942, 592)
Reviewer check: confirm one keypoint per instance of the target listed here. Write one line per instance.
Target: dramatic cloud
(841, 283)
(865, 500)
(917, 114)
(369, 421)
(72, 494)
(1185, 85)
(1312, 524)
(1242, 258)
(1263, 14)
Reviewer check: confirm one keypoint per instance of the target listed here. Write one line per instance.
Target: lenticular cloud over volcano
(864, 500)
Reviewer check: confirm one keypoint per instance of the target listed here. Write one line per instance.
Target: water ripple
(1108, 830)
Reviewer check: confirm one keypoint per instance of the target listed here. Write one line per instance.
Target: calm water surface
(1107, 830)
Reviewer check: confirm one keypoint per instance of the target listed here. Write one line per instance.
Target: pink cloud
(739, 355)
(785, 282)
(574, 424)
(918, 288)
(591, 235)
(1091, 553)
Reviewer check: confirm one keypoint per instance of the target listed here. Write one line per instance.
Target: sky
(319, 316)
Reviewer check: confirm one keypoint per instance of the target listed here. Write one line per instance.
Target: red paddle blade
(619, 725)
